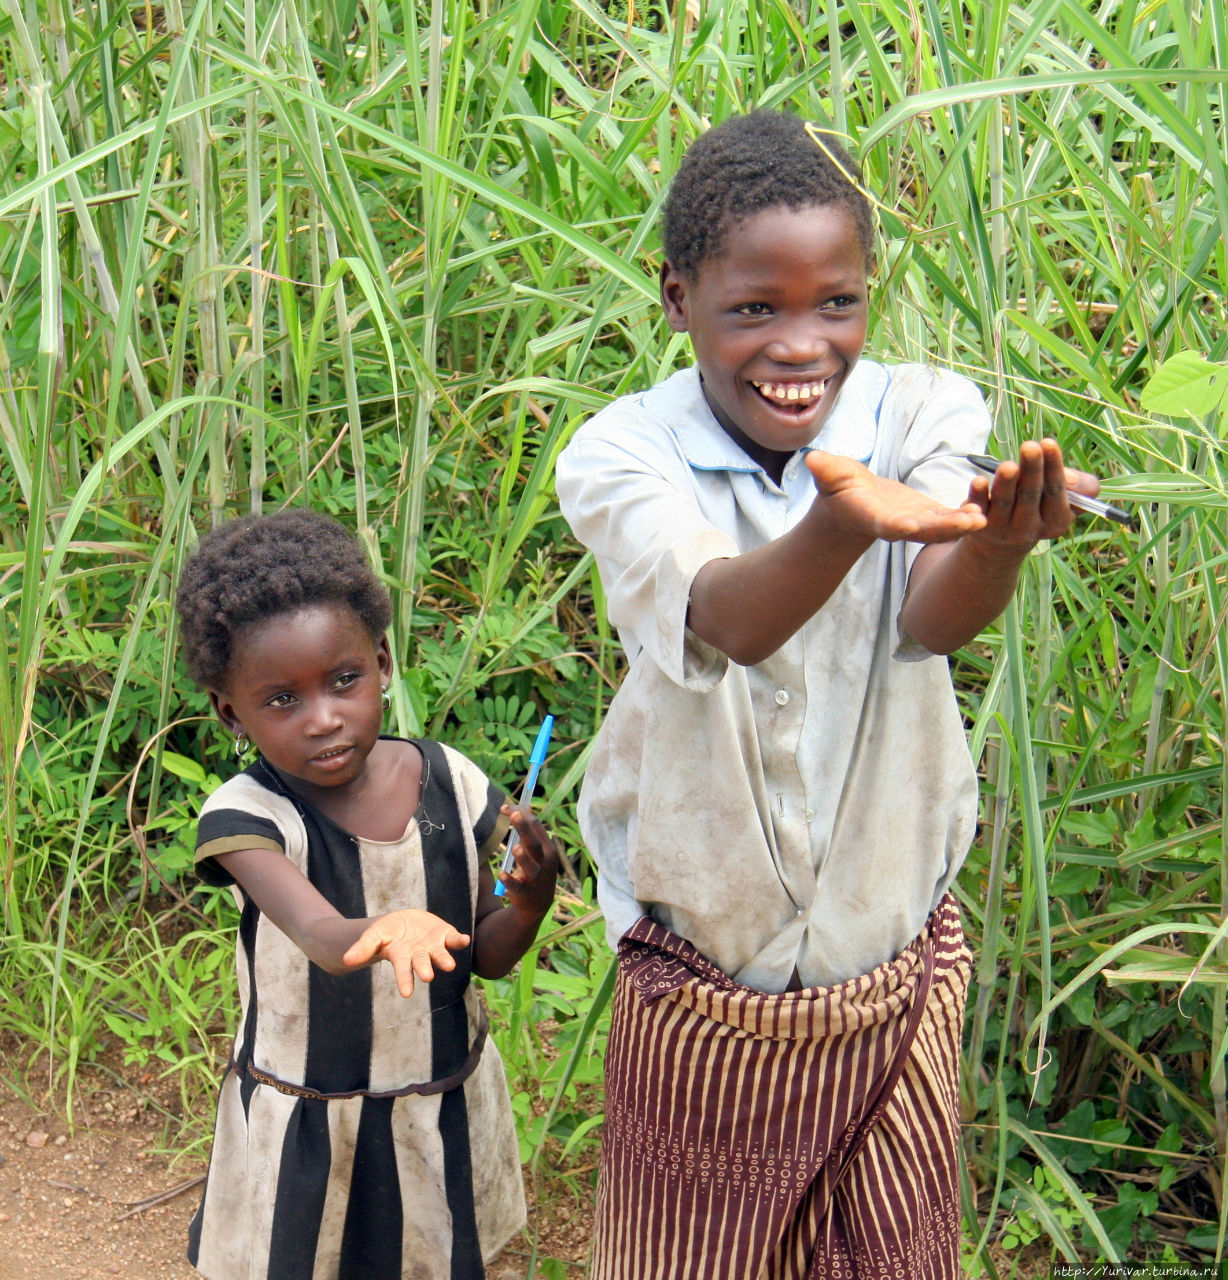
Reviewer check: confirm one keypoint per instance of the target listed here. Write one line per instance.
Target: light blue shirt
(809, 811)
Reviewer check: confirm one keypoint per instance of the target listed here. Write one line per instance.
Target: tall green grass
(381, 260)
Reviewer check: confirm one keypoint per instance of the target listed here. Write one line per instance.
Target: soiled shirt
(810, 811)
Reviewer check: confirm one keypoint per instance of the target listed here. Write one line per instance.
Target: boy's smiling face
(777, 320)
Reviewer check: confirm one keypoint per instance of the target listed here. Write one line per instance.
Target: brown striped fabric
(811, 1135)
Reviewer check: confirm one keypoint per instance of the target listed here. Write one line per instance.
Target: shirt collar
(850, 430)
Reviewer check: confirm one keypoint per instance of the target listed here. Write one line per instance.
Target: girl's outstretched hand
(530, 883)
(414, 942)
(872, 506)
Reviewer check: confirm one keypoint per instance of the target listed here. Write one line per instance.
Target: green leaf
(182, 767)
(1186, 385)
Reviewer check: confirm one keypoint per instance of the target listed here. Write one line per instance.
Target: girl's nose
(325, 717)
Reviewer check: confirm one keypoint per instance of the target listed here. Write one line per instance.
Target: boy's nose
(799, 343)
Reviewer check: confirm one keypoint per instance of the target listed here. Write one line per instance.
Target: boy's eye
(281, 700)
(753, 309)
(842, 302)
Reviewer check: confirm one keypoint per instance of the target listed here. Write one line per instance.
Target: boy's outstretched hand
(957, 589)
(1025, 501)
(414, 942)
(870, 506)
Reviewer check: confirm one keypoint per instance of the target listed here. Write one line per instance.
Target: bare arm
(505, 929)
(749, 605)
(957, 589)
(414, 942)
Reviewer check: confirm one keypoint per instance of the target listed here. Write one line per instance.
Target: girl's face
(777, 320)
(306, 687)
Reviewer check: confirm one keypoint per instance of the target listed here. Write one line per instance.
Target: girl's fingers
(404, 974)
(364, 947)
(426, 958)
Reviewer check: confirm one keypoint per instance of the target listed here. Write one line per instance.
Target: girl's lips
(333, 758)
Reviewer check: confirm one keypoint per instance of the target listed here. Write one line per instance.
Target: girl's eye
(753, 309)
(347, 678)
(281, 700)
(842, 302)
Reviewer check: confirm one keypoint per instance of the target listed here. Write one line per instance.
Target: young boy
(781, 794)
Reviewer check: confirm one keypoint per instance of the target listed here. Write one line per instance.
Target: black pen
(1080, 502)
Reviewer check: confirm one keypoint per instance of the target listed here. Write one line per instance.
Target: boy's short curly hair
(254, 567)
(749, 164)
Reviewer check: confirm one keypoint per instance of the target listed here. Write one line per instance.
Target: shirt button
(782, 697)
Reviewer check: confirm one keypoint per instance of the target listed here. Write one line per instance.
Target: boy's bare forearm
(748, 606)
(955, 591)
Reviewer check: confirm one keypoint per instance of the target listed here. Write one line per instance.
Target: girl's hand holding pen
(414, 942)
(529, 884)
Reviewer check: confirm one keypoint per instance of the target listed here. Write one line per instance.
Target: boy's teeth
(790, 392)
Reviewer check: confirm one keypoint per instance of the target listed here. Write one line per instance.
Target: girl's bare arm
(503, 933)
(414, 942)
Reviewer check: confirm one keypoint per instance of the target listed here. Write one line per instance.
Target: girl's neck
(379, 803)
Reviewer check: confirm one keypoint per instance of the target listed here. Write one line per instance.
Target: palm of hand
(873, 506)
(414, 942)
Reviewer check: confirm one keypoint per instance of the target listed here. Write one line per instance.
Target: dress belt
(430, 1087)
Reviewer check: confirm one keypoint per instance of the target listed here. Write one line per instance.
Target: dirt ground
(105, 1200)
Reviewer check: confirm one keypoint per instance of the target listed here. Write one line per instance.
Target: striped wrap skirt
(811, 1135)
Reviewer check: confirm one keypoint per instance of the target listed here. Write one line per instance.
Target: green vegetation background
(381, 259)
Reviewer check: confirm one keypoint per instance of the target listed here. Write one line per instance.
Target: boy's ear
(673, 297)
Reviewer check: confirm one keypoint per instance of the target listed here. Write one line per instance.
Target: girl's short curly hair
(255, 567)
(748, 164)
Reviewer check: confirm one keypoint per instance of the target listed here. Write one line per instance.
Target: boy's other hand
(414, 942)
(1025, 502)
(874, 507)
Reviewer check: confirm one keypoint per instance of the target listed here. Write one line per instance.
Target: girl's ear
(224, 711)
(383, 655)
(673, 297)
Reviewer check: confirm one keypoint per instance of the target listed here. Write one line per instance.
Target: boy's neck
(771, 460)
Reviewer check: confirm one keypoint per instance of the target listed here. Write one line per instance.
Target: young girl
(781, 794)
(363, 1128)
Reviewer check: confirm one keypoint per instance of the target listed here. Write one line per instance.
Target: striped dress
(359, 1135)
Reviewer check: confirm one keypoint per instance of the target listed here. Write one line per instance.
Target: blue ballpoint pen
(537, 757)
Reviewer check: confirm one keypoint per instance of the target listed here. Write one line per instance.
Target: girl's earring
(242, 745)
(385, 697)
